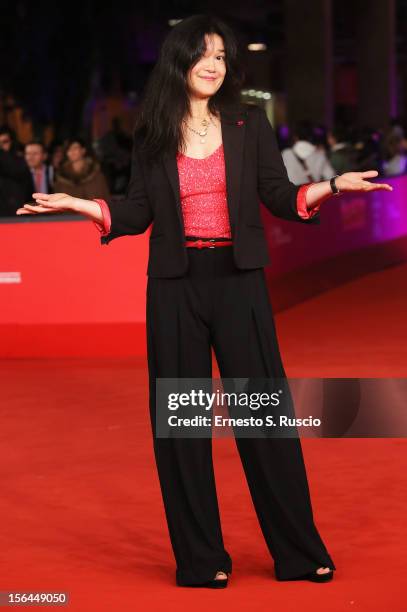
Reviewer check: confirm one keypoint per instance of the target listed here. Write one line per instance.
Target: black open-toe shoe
(220, 583)
(314, 576)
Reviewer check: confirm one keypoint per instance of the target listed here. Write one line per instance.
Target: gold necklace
(202, 133)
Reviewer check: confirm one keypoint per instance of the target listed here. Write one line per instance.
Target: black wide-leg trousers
(216, 304)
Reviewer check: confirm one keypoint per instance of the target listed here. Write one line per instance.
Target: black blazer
(255, 173)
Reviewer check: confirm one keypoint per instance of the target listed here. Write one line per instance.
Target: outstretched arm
(349, 181)
(294, 202)
(281, 197)
(130, 215)
(62, 202)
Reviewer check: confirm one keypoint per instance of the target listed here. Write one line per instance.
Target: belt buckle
(211, 240)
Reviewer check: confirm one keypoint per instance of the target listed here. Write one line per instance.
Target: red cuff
(104, 227)
(302, 209)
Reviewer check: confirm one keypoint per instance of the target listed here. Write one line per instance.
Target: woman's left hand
(355, 181)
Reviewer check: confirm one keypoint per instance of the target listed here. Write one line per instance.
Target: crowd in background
(96, 170)
(313, 153)
(102, 169)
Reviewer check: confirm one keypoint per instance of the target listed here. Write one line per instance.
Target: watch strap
(332, 183)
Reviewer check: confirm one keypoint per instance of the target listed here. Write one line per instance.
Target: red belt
(211, 243)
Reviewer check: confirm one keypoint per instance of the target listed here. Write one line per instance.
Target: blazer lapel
(233, 125)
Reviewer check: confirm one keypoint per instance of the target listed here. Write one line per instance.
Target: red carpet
(81, 507)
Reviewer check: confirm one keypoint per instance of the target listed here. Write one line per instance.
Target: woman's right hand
(48, 203)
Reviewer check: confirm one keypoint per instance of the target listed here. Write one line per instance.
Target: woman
(80, 175)
(201, 162)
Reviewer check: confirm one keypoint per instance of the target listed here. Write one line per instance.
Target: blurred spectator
(56, 155)
(395, 154)
(319, 136)
(304, 161)
(6, 139)
(80, 175)
(114, 150)
(397, 127)
(366, 147)
(42, 174)
(341, 152)
(16, 186)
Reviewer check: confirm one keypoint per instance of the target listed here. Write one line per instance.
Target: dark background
(57, 59)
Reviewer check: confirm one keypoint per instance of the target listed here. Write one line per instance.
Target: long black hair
(165, 100)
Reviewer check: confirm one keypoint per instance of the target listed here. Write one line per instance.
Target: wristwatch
(334, 188)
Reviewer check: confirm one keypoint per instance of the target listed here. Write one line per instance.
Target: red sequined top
(203, 197)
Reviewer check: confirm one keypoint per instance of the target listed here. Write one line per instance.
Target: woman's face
(75, 152)
(207, 75)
